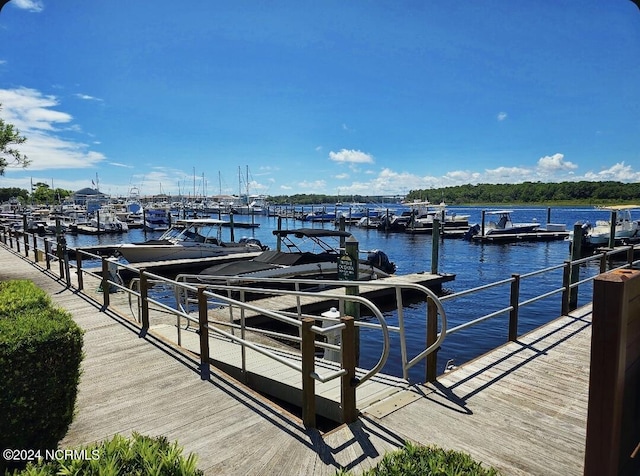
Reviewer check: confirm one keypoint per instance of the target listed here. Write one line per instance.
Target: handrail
(223, 282)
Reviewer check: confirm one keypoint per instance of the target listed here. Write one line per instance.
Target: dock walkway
(521, 408)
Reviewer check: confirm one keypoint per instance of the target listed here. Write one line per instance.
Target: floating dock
(540, 235)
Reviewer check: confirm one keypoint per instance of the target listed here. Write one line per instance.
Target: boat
(104, 220)
(424, 214)
(503, 229)
(312, 253)
(188, 239)
(626, 231)
(157, 219)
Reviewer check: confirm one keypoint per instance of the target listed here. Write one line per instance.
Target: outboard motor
(380, 260)
(471, 232)
(253, 241)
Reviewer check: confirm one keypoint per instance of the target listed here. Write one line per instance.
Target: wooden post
(203, 326)
(515, 305)
(603, 262)
(613, 417)
(482, 226)
(308, 367)
(435, 246)
(352, 308)
(278, 238)
(576, 252)
(78, 268)
(233, 236)
(105, 282)
(25, 236)
(47, 254)
(612, 229)
(144, 299)
(35, 248)
(566, 292)
(60, 255)
(348, 381)
(432, 336)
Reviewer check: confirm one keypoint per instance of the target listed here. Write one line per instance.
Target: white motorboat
(625, 227)
(157, 219)
(311, 254)
(188, 239)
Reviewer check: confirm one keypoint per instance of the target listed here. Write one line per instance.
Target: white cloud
(555, 162)
(351, 156)
(31, 5)
(86, 97)
(502, 116)
(341, 176)
(617, 172)
(31, 113)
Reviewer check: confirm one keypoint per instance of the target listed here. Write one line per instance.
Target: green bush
(415, 460)
(138, 455)
(40, 355)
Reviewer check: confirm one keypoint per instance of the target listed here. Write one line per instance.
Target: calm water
(473, 264)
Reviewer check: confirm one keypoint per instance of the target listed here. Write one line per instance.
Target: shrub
(415, 460)
(138, 455)
(40, 355)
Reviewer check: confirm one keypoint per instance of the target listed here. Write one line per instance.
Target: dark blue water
(473, 264)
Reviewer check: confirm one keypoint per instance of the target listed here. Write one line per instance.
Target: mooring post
(435, 246)
(233, 237)
(348, 382)
(612, 229)
(348, 270)
(308, 367)
(482, 225)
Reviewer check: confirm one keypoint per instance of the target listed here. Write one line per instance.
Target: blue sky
(330, 97)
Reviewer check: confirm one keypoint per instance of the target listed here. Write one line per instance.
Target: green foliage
(138, 455)
(10, 192)
(45, 195)
(10, 137)
(533, 192)
(40, 355)
(415, 460)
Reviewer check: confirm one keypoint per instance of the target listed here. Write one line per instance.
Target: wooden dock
(520, 408)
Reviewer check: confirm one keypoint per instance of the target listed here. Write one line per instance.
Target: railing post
(603, 262)
(515, 305)
(308, 367)
(144, 299)
(47, 254)
(348, 381)
(60, 254)
(25, 236)
(35, 248)
(630, 256)
(576, 251)
(435, 246)
(105, 282)
(67, 270)
(17, 243)
(10, 239)
(612, 229)
(566, 282)
(203, 326)
(432, 336)
(79, 269)
(350, 260)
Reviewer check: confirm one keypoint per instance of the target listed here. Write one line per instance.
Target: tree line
(593, 193)
(533, 192)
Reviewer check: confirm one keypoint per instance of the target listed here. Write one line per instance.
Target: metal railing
(230, 294)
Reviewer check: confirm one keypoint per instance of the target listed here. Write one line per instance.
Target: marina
(470, 395)
(473, 264)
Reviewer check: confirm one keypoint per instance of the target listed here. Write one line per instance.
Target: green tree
(9, 154)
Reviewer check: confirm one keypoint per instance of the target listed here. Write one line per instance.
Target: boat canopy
(312, 233)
